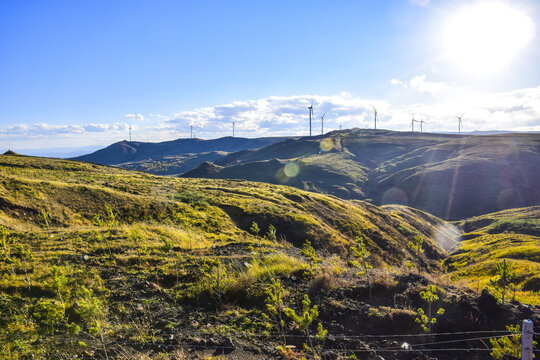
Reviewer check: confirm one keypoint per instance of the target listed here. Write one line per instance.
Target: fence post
(527, 340)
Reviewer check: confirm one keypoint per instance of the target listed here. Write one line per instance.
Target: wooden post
(527, 340)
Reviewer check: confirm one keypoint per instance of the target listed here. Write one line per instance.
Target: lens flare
(395, 196)
(327, 144)
(291, 169)
(447, 236)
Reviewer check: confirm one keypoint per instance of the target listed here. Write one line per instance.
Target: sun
(485, 36)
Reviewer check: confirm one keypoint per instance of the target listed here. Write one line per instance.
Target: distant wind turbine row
(312, 116)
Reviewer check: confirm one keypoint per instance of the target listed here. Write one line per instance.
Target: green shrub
(48, 314)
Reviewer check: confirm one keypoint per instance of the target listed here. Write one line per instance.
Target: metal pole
(310, 111)
(527, 340)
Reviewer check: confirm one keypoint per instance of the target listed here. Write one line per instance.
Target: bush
(193, 198)
(48, 314)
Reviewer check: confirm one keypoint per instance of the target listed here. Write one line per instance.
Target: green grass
(155, 268)
(510, 235)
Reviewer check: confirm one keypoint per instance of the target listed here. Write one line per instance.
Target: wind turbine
(375, 116)
(310, 108)
(412, 122)
(422, 121)
(322, 123)
(129, 132)
(460, 123)
(233, 129)
(191, 127)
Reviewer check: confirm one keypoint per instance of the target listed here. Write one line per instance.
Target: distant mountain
(63, 152)
(450, 176)
(137, 155)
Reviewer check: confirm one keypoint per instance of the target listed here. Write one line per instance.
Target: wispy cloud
(134, 117)
(420, 84)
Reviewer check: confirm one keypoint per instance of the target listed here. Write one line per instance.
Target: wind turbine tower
(129, 132)
(310, 108)
(375, 116)
(460, 123)
(322, 123)
(412, 123)
(233, 128)
(422, 121)
(191, 127)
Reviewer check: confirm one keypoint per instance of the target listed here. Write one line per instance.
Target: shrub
(429, 295)
(506, 276)
(361, 255)
(48, 314)
(309, 252)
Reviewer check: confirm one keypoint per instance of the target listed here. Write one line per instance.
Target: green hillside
(512, 235)
(101, 262)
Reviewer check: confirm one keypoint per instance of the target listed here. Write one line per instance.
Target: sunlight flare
(486, 36)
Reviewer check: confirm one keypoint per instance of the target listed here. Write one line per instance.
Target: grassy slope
(73, 193)
(148, 292)
(513, 235)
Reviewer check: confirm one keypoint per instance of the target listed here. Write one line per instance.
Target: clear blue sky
(66, 66)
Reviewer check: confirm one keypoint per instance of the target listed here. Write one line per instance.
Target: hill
(101, 262)
(512, 235)
(132, 152)
(450, 176)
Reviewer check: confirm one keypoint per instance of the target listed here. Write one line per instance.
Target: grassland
(513, 235)
(101, 262)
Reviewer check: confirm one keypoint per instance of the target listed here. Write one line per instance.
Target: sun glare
(484, 37)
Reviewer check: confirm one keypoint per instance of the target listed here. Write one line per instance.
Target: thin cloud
(420, 84)
(139, 117)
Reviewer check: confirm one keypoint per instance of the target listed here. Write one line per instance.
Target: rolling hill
(450, 176)
(513, 235)
(102, 262)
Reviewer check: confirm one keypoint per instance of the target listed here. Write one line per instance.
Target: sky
(80, 73)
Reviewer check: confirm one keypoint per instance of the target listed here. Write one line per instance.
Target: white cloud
(134, 117)
(288, 115)
(43, 135)
(420, 84)
(160, 117)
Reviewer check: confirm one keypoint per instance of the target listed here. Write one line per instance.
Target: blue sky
(77, 73)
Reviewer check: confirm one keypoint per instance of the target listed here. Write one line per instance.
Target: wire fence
(109, 344)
